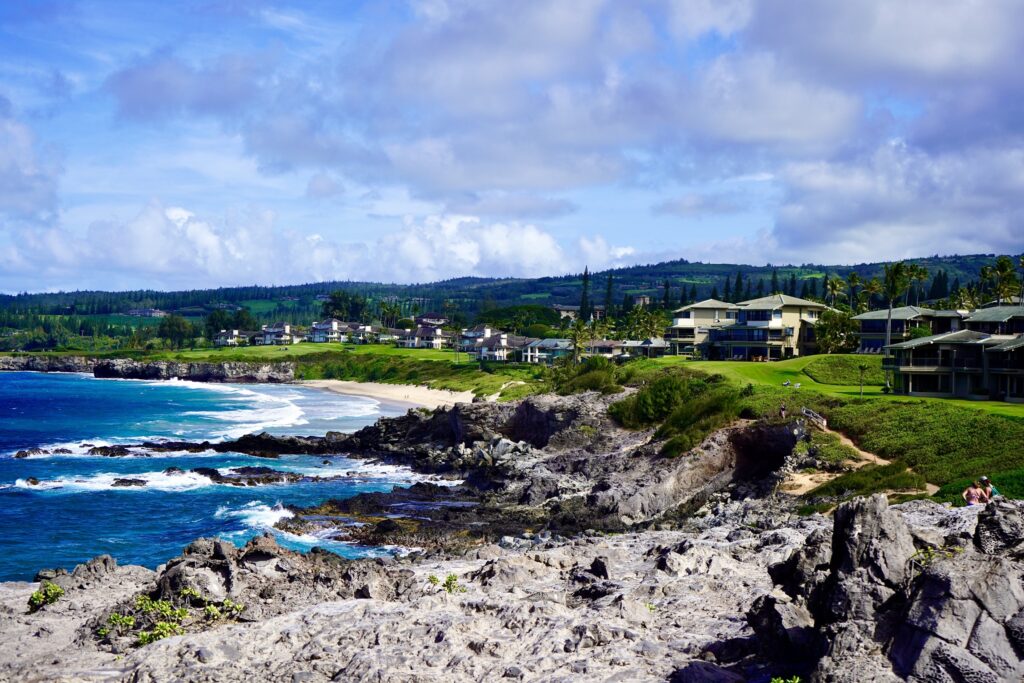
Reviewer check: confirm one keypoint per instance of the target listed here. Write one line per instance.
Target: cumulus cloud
(177, 248)
(28, 175)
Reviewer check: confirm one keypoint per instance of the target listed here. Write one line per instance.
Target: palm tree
(872, 288)
(1020, 264)
(862, 368)
(985, 275)
(853, 281)
(918, 274)
(579, 336)
(834, 286)
(1004, 276)
(894, 285)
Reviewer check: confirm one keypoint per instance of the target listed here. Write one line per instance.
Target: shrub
(691, 422)
(451, 584)
(122, 622)
(211, 612)
(47, 594)
(160, 630)
(656, 401)
(870, 479)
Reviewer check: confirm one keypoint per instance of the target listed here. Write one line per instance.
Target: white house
(227, 338)
(278, 334)
(500, 347)
(425, 338)
(546, 350)
(472, 336)
(327, 331)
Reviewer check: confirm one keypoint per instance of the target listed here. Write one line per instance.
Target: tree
(609, 299)
(585, 309)
(915, 275)
(737, 288)
(872, 288)
(665, 301)
(218, 320)
(834, 286)
(1004, 277)
(853, 281)
(1020, 264)
(579, 335)
(176, 330)
(836, 332)
(345, 306)
(728, 290)
(775, 282)
(693, 294)
(243, 320)
(760, 288)
(792, 284)
(894, 285)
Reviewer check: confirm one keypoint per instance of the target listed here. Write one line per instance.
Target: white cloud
(179, 249)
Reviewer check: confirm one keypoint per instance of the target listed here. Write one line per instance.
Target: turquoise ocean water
(75, 512)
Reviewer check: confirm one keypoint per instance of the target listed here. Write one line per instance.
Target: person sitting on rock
(782, 411)
(974, 494)
(990, 490)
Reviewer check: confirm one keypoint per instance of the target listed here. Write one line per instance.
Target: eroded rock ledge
(124, 368)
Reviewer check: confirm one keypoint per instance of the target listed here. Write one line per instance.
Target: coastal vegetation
(47, 594)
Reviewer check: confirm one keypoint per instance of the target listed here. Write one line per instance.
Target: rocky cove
(571, 550)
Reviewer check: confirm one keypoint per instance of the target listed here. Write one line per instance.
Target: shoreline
(411, 395)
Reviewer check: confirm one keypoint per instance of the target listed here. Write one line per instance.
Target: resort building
(432, 319)
(572, 312)
(963, 364)
(655, 347)
(229, 338)
(904, 319)
(332, 330)
(425, 338)
(472, 336)
(146, 313)
(278, 334)
(770, 328)
(609, 348)
(997, 320)
(692, 324)
(501, 347)
(546, 351)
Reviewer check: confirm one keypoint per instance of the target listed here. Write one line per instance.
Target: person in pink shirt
(975, 494)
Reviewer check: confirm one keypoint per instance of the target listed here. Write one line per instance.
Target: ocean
(74, 512)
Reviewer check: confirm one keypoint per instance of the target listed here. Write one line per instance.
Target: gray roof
(773, 301)
(901, 313)
(958, 337)
(707, 303)
(555, 344)
(1009, 345)
(996, 314)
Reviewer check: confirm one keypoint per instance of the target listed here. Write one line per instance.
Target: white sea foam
(104, 481)
(256, 515)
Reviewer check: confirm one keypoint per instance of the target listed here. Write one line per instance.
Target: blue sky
(206, 142)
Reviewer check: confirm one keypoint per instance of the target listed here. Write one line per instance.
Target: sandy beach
(397, 393)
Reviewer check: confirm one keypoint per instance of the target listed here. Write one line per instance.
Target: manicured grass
(843, 369)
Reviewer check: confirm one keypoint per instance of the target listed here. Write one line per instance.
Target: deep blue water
(74, 513)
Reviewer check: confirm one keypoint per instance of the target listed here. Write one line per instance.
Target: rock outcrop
(124, 368)
(37, 363)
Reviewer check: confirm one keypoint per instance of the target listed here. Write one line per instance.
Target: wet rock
(122, 482)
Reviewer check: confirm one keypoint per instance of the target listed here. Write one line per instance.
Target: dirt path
(800, 483)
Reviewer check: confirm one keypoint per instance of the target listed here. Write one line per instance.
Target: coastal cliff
(125, 368)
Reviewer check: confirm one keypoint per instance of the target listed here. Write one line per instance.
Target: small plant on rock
(451, 584)
(47, 594)
(433, 580)
(189, 593)
(231, 607)
(160, 630)
(212, 613)
(121, 622)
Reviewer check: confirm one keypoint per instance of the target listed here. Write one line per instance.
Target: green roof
(996, 314)
(901, 313)
(1009, 345)
(707, 303)
(958, 337)
(773, 301)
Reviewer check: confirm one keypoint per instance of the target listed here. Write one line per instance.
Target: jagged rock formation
(34, 363)
(124, 368)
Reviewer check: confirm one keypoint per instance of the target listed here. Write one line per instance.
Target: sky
(203, 143)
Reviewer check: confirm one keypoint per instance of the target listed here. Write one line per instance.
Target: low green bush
(692, 421)
(47, 594)
(870, 479)
(160, 630)
(656, 401)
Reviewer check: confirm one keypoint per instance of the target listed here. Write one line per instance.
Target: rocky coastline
(571, 550)
(126, 368)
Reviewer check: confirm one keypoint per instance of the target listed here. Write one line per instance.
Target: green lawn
(794, 370)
